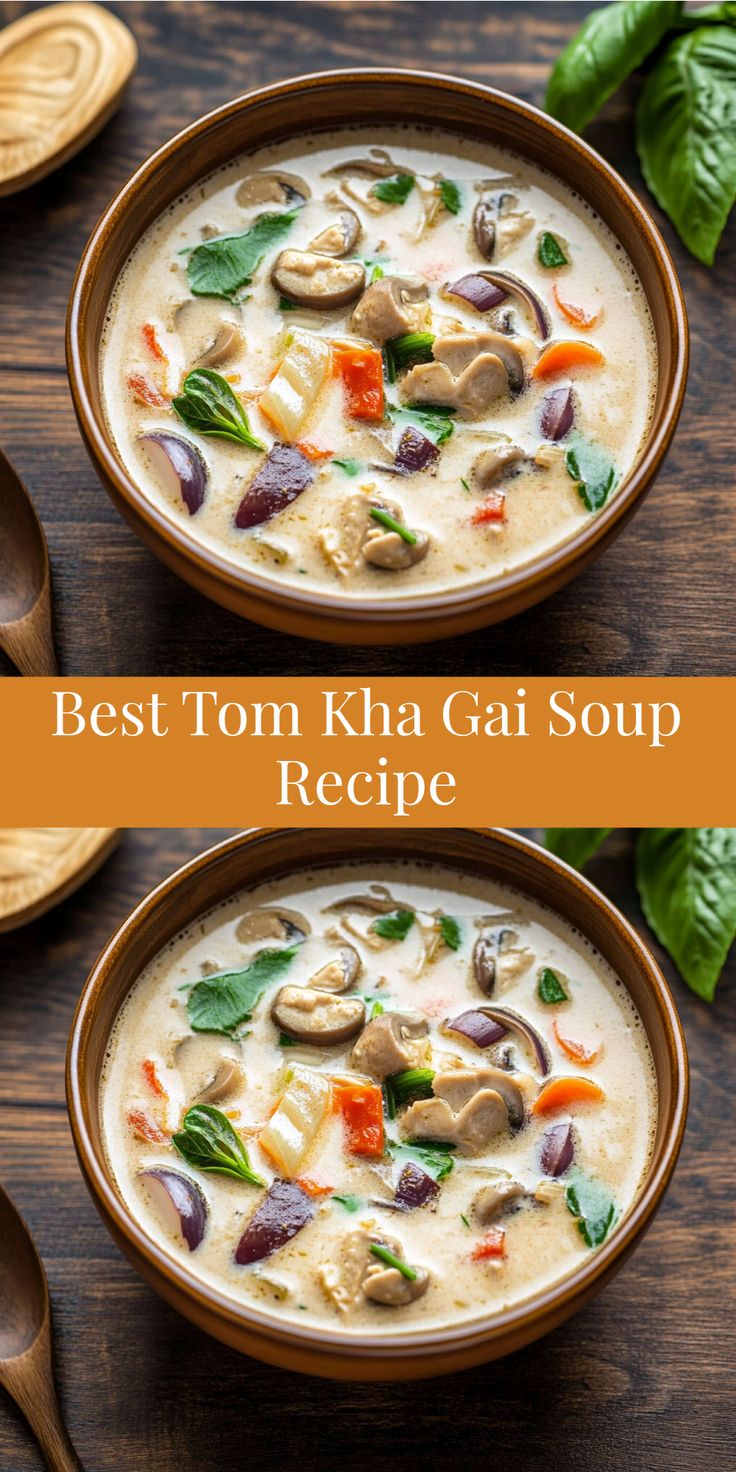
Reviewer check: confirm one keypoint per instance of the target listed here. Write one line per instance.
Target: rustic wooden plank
(641, 1379)
(658, 603)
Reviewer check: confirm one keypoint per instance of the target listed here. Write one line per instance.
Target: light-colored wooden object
(25, 1339)
(39, 867)
(63, 69)
(25, 579)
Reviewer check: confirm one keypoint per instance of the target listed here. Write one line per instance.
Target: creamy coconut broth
(441, 1102)
(436, 362)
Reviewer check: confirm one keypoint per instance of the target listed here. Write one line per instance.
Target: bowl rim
(242, 1316)
(206, 561)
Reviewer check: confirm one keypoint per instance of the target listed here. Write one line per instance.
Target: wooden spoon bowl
(25, 579)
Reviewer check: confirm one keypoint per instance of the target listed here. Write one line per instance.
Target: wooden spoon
(25, 1339)
(25, 579)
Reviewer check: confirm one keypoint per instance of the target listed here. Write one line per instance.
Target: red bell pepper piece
(492, 1245)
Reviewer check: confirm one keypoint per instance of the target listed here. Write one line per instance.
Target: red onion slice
(512, 1022)
(557, 1150)
(478, 1027)
(478, 291)
(281, 478)
(415, 1188)
(415, 452)
(282, 1213)
(180, 1203)
(488, 288)
(179, 465)
(557, 414)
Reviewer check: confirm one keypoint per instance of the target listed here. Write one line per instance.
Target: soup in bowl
(387, 373)
(380, 1103)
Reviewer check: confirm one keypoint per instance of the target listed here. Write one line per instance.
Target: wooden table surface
(641, 1379)
(660, 602)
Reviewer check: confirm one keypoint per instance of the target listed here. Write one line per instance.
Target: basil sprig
(595, 476)
(595, 1210)
(450, 931)
(394, 190)
(450, 195)
(223, 266)
(549, 986)
(224, 1001)
(396, 925)
(208, 405)
(208, 1141)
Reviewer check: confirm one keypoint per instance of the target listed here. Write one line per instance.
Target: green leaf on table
(594, 1208)
(686, 135)
(687, 884)
(450, 931)
(611, 43)
(549, 986)
(394, 926)
(223, 266)
(394, 190)
(575, 845)
(450, 195)
(549, 251)
(208, 405)
(208, 1141)
(594, 474)
(224, 1001)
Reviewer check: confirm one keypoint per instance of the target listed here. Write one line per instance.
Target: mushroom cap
(459, 349)
(209, 334)
(390, 307)
(317, 1017)
(488, 469)
(389, 1286)
(472, 1128)
(495, 1199)
(390, 1043)
(341, 236)
(378, 900)
(272, 923)
(272, 186)
(472, 393)
(209, 1067)
(458, 1085)
(339, 974)
(313, 280)
(390, 550)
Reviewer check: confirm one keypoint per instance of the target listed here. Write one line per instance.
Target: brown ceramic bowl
(263, 854)
(322, 101)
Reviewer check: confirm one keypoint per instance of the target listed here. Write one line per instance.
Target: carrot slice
(560, 1093)
(576, 1051)
(313, 452)
(492, 1245)
(148, 1068)
(560, 357)
(148, 332)
(313, 1188)
(492, 509)
(146, 392)
(361, 1107)
(577, 315)
(361, 371)
(145, 1128)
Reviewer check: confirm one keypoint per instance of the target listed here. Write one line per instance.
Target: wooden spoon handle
(29, 642)
(29, 1381)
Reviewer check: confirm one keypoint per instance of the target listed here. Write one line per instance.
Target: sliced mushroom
(340, 237)
(484, 963)
(495, 1200)
(390, 550)
(498, 959)
(317, 1017)
(484, 228)
(390, 307)
(228, 344)
(494, 464)
(208, 338)
(472, 393)
(339, 974)
(472, 1129)
(313, 280)
(499, 224)
(376, 901)
(390, 1043)
(228, 1080)
(273, 924)
(347, 1280)
(458, 349)
(272, 186)
(377, 164)
(208, 1072)
(458, 1085)
(389, 1286)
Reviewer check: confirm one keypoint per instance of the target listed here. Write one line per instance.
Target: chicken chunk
(390, 1043)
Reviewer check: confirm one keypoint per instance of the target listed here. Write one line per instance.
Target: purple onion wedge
(527, 1035)
(415, 1188)
(415, 452)
(180, 466)
(557, 414)
(557, 1150)
(179, 1201)
(478, 291)
(281, 478)
(478, 1027)
(281, 1214)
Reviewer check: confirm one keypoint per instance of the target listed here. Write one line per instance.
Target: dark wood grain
(660, 602)
(642, 1379)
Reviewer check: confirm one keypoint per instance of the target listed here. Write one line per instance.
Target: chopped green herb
(549, 251)
(465, 1222)
(450, 195)
(549, 986)
(351, 1203)
(393, 526)
(208, 405)
(403, 352)
(394, 190)
(450, 931)
(286, 306)
(593, 472)
(224, 1001)
(286, 1042)
(465, 485)
(351, 467)
(377, 274)
(394, 926)
(403, 1088)
(434, 1157)
(590, 1202)
(208, 1141)
(393, 1261)
(223, 266)
(436, 422)
(376, 1010)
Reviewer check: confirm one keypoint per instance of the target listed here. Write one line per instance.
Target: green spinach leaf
(594, 1208)
(350, 467)
(575, 845)
(435, 1158)
(591, 469)
(549, 250)
(687, 883)
(223, 266)
(686, 135)
(394, 926)
(208, 1141)
(450, 931)
(221, 1003)
(394, 190)
(549, 986)
(208, 405)
(450, 195)
(611, 43)
(436, 422)
(350, 1203)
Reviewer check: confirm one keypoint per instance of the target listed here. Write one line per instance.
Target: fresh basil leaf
(394, 926)
(611, 43)
(591, 469)
(549, 250)
(351, 467)
(286, 1042)
(286, 306)
(221, 267)
(208, 1141)
(450, 195)
(351, 1203)
(394, 190)
(686, 135)
(221, 1003)
(575, 845)
(549, 986)
(591, 1203)
(687, 884)
(450, 931)
(436, 422)
(208, 405)
(435, 1158)
(708, 15)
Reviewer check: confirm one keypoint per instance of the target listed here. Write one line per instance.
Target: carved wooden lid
(41, 866)
(62, 73)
